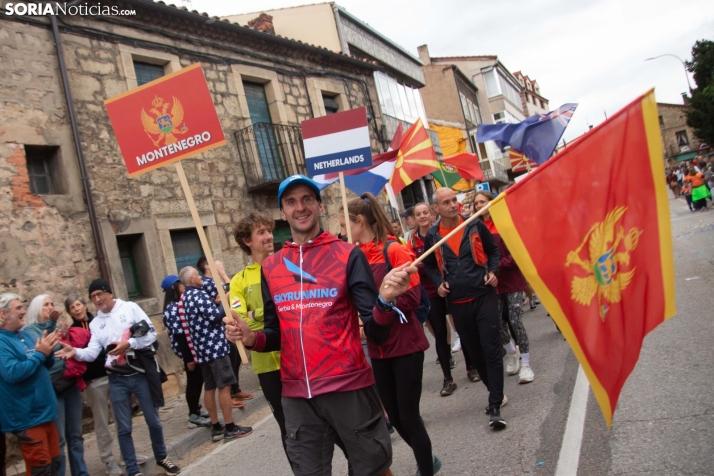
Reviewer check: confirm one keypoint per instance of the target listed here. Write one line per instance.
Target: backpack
(422, 312)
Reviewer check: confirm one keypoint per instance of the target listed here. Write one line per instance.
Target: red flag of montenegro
(590, 230)
(416, 157)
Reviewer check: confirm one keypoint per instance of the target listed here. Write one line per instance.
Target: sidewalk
(184, 445)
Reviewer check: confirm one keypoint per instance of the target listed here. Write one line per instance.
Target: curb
(193, 438)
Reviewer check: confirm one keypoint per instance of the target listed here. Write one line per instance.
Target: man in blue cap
(314, 289)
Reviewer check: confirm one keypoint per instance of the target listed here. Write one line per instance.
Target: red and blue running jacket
(313, 295)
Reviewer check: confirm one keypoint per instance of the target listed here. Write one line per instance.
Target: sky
(588, 52)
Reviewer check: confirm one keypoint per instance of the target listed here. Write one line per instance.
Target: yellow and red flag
(590, 230)
(519, 162)
(415, 159)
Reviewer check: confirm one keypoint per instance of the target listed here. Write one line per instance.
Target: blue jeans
(120, 390)
(69, 427)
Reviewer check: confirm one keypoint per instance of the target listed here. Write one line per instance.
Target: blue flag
(536, 137)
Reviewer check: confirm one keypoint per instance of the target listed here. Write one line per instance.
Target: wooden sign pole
(207, 250)
(344, 207)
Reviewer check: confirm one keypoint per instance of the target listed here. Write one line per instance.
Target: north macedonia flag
(590, 230)
(415, 159)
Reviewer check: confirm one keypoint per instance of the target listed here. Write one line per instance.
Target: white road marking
(222, 448)
(573, 436)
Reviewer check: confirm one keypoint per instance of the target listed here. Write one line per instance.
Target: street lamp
(683, 65)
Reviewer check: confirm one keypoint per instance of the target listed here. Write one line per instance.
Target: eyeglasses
(97, 295)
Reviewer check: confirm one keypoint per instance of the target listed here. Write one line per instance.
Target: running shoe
(168, 466)
(242, 396)
(237, 432)
(452, 364)
(533, 305)
(473, 375)
(535, 299)
(437, 466)
(113, 469)
(457, 346)
(503, 404)
(526, 375)
(194, 421)
(496, 420)
(448, 388)
(237, 403)
(217, 434)
(513, 362)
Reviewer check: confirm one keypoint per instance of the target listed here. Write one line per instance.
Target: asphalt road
(662, 425)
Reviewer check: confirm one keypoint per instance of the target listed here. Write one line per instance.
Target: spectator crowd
(339, 361)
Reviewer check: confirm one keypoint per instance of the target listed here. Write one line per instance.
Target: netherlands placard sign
(337, 142)
(166, 120)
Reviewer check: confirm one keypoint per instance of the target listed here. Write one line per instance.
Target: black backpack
(422, 312)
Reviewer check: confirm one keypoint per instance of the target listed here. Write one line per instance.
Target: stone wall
(45, 241)
(673, 119)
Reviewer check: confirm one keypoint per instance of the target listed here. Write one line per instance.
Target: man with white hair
(207, 331)
(28, 405)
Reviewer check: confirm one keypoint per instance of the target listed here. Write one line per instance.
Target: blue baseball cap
(297, 180)
(169, 281)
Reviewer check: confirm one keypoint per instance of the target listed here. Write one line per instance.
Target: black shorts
(218, 373)
(356, 416)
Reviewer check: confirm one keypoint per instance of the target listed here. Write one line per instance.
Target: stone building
(399, 76)
(533, 102)
(61, 228)
(678, 140)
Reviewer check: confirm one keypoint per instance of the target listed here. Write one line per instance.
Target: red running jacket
(312, 297)
(404, 338)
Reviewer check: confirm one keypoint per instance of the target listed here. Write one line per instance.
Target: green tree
(700, 114)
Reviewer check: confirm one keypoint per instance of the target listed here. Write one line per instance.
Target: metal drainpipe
(103, 269)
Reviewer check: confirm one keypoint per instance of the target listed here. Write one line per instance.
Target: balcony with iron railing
(269, 153)
(390, 127)
(494, 172)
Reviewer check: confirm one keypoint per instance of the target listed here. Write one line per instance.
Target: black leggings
(437, 319)
(234, 357)
(273, 390)
(399, 384)
(194, 386)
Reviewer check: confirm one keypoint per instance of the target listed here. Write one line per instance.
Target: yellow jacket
(245, 296)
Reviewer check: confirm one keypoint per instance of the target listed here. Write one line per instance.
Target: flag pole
(393, 203)
(207, 251)
(344, 207)
(452, 233)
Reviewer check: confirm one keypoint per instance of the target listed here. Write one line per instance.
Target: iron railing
(390, 127)
(269, 153)
(494, 171)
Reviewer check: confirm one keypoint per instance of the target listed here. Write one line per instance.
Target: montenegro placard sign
(164, 121)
